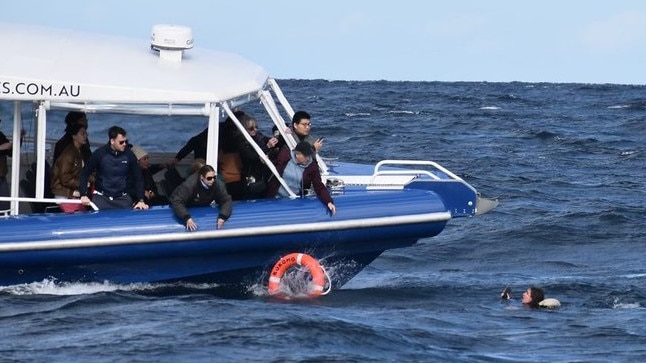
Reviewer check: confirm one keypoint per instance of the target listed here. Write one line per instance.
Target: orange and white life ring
(315, 269)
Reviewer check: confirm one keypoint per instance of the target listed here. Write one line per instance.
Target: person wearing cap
(200, 189)
(301, 172)
(151, 194)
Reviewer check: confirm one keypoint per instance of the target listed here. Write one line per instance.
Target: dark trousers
(121, 202)
(236, 190)
(4, 192)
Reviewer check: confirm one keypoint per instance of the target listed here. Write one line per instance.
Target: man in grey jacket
(200, 189)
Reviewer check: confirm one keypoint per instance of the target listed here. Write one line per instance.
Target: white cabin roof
(65, 66)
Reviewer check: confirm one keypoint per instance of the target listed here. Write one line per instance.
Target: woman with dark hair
(66, 172)
(200, 189)
(533, 296)
(72, 119)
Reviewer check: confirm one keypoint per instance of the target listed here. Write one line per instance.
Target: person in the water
(533, 297)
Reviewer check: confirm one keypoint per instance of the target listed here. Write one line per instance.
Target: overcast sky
(591, 41)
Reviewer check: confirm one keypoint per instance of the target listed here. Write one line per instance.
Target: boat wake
(53, 287)
(296, 283)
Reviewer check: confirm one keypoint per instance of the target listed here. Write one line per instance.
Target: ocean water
(567, 162)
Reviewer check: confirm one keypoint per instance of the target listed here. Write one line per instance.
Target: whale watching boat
(391, 204)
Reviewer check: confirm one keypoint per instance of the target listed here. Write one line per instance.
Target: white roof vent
(171, 41)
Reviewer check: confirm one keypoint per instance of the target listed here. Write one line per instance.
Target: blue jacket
(113, 170)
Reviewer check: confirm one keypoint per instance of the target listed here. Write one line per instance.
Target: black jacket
(191, 193)
(252, 164)
(197, 144)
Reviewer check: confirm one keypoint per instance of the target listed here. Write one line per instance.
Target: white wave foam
(354, 114)
(626, 306)
(619, 106)
(403, 112)
(490, 108)
(620, 305)
(52, 287)
(635, 276)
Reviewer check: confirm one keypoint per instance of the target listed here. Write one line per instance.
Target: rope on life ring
(319, 275)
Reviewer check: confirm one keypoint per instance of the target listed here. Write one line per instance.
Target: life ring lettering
(301, 259)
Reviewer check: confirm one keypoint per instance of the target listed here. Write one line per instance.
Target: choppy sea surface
(567, 162)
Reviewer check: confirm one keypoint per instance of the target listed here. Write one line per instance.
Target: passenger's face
(252, 129)
(301, 158)
(144, 162)
(303, 127)
(119, 143)
(81, 136)
(527, 296)
(208, 179)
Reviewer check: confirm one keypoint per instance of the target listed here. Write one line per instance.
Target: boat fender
(549, 303)
(315, 269)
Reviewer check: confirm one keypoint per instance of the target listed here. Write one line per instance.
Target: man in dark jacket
(115, 165)
(200, 189)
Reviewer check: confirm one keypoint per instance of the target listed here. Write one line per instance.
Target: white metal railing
(412, 172)
(135, 109)
(281, 97)
(209, 236)
(274, 114)
(378, 171)
(44, 200)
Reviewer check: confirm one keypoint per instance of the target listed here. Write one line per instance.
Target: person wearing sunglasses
(115, 167)
(200, 189)
(254, 170)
